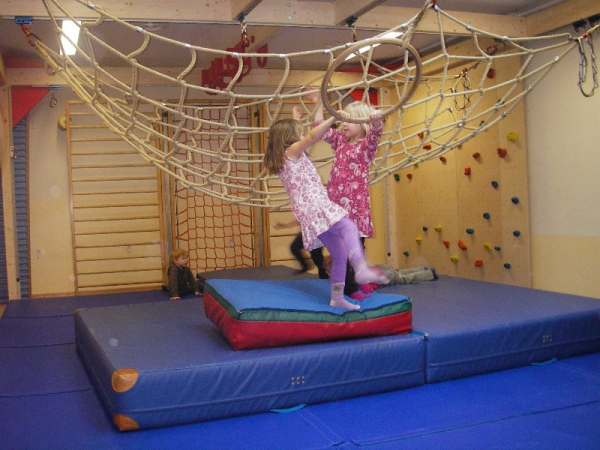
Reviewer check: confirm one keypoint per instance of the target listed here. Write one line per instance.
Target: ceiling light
(388, 35)
(69, 37)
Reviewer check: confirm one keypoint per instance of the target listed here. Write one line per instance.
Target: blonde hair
(360, 110)
(282, 134)
(177, 253)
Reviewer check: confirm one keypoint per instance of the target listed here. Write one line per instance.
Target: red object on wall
(24, 99)
(502, 152)
(357, 94)
(462, 245)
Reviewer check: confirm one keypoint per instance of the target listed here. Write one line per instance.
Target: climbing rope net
(438, 102)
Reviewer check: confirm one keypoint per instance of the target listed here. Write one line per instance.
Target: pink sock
(367, 288)
(358, 296)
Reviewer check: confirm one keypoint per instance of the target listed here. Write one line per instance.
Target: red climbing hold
(446, 243)
(409, 176)
(462, 245)
(443, 159)
(502, 152)
(427, 147)
(467, 171)
(478, 263)
(476, 155)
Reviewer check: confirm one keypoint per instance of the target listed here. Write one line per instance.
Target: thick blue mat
(474, 327)
(185, 371)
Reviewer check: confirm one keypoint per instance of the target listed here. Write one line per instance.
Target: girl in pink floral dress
(322, 221)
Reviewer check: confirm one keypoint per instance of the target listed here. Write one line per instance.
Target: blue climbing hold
(515, 200)
(486, 215)
(516, 233)
(470, 231)
(495, 184)
(506, 265)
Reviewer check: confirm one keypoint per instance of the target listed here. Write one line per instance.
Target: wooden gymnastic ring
(355, 47)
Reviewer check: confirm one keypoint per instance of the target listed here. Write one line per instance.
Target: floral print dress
(309, 200)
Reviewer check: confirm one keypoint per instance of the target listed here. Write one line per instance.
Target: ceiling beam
(294, 13)
(241, 8)
(371, 14)
(345, 11)
(263, 77)
(561, 15)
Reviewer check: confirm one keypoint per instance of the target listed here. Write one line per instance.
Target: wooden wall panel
(116, 201)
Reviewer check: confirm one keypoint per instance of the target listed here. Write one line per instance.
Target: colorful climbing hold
(512, 136)
(421, 134)
(478, 263)
(487, 246)
(418, 239)
(409, 176)
(515, 200)
(497, 248)
(470, 230)
(502, 152)
(397, 177)
(446, 243)
(507, 266)
(516, 233)
(443, 159)
(467, 171)
(438, 228)
(454, 258)
(425, 228)
(462, 245)
(476, 155)
(495, 184)
(486, 216)
(406, 254)
(427, 147)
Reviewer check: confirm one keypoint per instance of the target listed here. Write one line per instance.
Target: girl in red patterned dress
(322, 221)
(355, 146)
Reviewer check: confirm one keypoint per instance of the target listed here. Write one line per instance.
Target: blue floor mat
(36, 331)
(445, 407)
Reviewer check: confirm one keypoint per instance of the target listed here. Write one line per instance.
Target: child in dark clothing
(181, 280)
(296, 248)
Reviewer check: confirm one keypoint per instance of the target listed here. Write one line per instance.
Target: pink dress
(308, 200)
(349, 179)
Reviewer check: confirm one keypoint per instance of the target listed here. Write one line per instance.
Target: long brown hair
(282, 134)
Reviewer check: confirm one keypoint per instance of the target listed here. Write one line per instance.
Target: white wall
(563, 129)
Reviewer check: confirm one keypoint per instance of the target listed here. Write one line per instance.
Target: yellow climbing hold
(512, 136)
(487, 246)
(418, 239)
(438, 228)
(454, 258)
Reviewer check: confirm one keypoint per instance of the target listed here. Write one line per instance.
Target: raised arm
(316, 97)
(295, 150)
